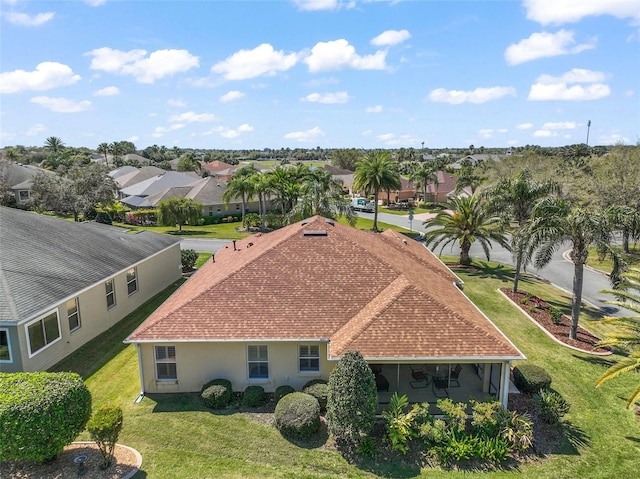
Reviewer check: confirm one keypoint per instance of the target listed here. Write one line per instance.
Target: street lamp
(588, 126)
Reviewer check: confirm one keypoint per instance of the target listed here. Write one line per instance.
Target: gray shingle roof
(44, 260)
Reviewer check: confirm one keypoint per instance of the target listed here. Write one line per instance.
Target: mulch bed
(539, 311)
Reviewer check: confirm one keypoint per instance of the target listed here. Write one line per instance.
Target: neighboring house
(406, 192)
(158, 184)
(19, 178)
(63, 283)
(126, 176)
(344, 176)
(219, 169)
(283, 307)
(444, 189)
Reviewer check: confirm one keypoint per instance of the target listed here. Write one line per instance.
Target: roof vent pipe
(213, 258)
(234, 245)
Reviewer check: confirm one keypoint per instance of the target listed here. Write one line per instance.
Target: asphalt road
(558, 272)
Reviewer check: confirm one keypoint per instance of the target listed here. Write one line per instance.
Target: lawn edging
(594, 353)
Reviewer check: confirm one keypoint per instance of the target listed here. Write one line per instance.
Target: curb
(137, 455)
(604, 353)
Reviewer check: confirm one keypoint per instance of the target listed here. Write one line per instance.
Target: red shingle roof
(387, 296)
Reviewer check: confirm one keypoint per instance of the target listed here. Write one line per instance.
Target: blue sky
(328, 73)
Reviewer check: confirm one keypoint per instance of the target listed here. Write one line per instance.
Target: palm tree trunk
(375, 212)
(576, 301)
(244, 221)
(625, 241)
(465, 259)
(263, 213)
(516, 275)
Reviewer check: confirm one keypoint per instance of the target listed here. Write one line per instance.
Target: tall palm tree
(54, 144)
(423, 175)
(468, 176)
(240, 186)
(263, 189)
(628, 335)
(465, 220)
(555, 222)
(321, 195)
(104, 149)
(375, 172)
(514, 199)
(625, 219)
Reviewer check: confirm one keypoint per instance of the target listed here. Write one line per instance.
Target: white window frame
(21, 195)
(258, 361)
(131, 281)
(47, 344)
(10, 360)
(112, 293)
(76, 313)
(166, 359)
(308, 356)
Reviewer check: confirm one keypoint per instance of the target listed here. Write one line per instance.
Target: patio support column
(504, 383)
(486, 377)
(398, 378)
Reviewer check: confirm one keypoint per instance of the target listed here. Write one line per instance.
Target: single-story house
(128, 175)
(443, 190)
(283, 307)
(342, 175)
(406, 192)
(63, 283)
(18, 178)
(158, 183)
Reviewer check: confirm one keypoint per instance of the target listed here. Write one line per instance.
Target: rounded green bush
(297, 415)
(216, 396)
(530, 379)
(253, 396)
(41, 413)
(313, 382)
(218, 382)
(282, 391)
(320, 391)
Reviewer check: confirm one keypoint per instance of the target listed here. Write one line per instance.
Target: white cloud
(26, 20)
(339, 54)
(374, 109)
(542, 45)
(328, 98)
(145, 69)
(314, 5)
(245, 127)
(95, 3)
(161, 130)
(548, 87)
(613, 139)
(46, 76)
(486, 132)
(133, 138)
(560, 125)
(479, 95)
(108, 91)
(61, 105)
(567, 11)
(262, 60)
(391, 37)
(36, 129)
(524, 126)
(192, 117)
(175, 102)
(308, 135)
(231, 96)
(385, 136)
(544, 133)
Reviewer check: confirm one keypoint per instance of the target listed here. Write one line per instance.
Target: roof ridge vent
(315, 233)
(331, 222)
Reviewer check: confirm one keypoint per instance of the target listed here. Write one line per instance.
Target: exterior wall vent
(315, 232)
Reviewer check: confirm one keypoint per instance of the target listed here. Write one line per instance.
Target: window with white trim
(111, 293)
(23, 195)
(43, 332)
(166, 365)
(73, 314)
(5, 346)
(132, 281)
(308, 358)
(258, 362)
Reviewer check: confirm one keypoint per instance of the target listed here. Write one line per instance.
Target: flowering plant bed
(540, 312)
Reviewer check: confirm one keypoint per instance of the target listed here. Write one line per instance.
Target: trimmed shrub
(217, 394)
(282, 391)
(556, 314)
(297, 415)
(40, 413)
(319, 390)
(188, 258)
(552, 406)
(104, 427)
(313, 382)
(253, 396)
(530, 379)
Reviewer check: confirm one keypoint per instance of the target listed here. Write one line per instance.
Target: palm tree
(468, 176)
(104, 149)
(240, 186)
(54, 144)
(514, 199)
(628, 336)
(423, 175)
(625, 219)
(263, 189)
(321, 195)
(376, 171)
(555, 222)
(465, 219)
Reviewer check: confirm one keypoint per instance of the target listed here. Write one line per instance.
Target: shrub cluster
(104, 427)
(188, 258)
(40, 413)
(319, 389)
(282, 391)
(297, 415)
(254, 396)
(556, 314)
(217, 394)
(530, 379)
(551, 406)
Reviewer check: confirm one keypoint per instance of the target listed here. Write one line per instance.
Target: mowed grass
(606, 264)
(178, 438)
(219, 231)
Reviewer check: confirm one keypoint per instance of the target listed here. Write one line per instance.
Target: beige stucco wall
(197, 363)
(154, 275)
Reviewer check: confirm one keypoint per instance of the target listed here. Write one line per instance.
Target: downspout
(141, 374)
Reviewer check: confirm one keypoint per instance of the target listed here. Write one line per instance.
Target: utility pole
(588, 127)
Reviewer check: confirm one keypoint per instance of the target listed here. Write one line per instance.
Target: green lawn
(632, 259)
(178, 438)
(220, 231)
(416, 211)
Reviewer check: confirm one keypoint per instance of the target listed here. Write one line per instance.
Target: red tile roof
(382, 294)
